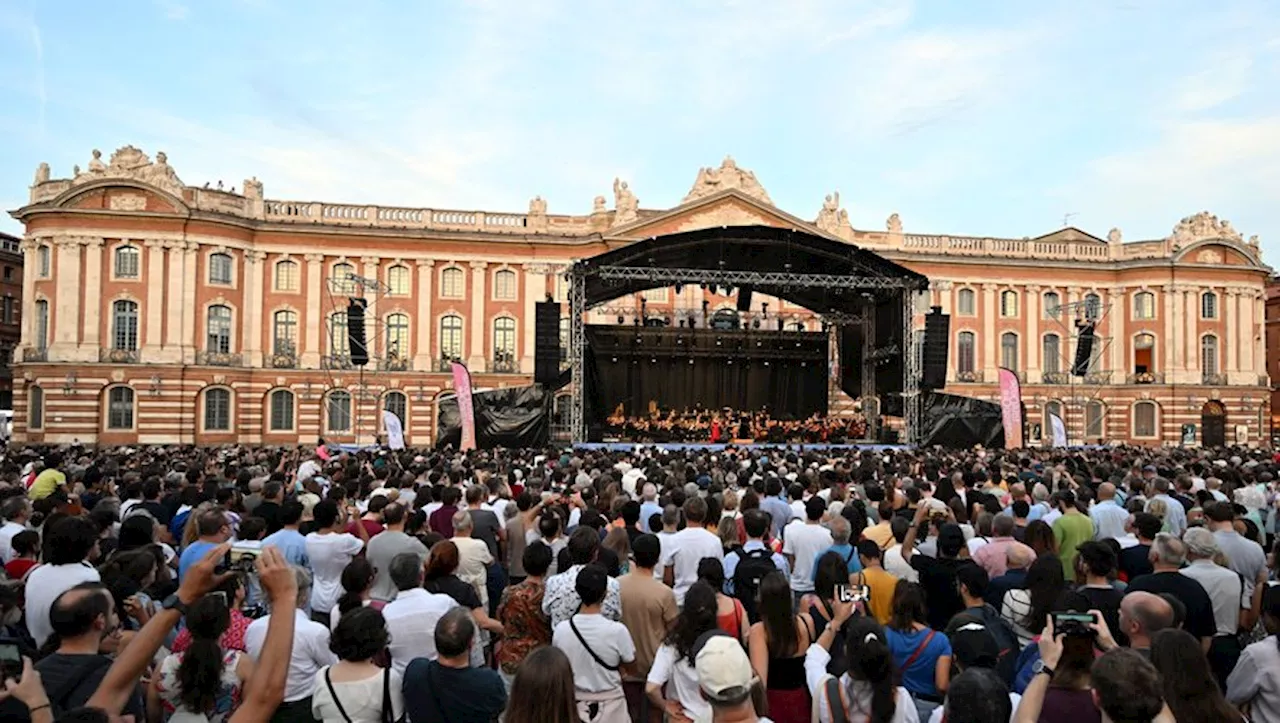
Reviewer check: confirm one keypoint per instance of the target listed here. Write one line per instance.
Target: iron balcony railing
(283, 360)
(218, 359)
(32, 354)
(1145, 378)
(118, 356)
(394, 364)
(970, 377)
(1213, 380)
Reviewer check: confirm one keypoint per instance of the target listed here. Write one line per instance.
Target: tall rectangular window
(965, 347)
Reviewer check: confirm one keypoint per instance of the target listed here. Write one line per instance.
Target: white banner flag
(395, 432)
(1059, 430)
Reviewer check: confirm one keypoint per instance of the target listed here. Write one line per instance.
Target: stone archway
(1213, 424)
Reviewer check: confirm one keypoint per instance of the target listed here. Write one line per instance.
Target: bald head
(1143, 614)
(1018, 556)
(1106, 491)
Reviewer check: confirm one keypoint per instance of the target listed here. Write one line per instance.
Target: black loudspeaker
(355, 333)
(937, 337)
(1084, 350)
(744, 298)
(546, 343)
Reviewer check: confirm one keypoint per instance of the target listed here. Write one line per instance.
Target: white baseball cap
(724, 670)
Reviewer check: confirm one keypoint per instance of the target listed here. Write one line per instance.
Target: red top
(373, 527)
(232, 639)
(19, 567)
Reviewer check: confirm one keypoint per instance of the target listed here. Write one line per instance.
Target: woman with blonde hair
(620, 543)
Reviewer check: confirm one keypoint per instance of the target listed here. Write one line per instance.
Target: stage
(708, 447)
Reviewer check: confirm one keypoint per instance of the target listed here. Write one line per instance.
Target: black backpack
(751, 569)
(1000, 630)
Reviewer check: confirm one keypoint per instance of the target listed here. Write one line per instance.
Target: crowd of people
(731, 426)
(179, 584)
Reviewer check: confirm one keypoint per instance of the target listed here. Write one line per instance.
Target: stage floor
(707, 446)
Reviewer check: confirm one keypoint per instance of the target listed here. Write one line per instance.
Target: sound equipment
(546, 343)
(356, 342)
(937, 338)
(1084, 350)
(744, 298)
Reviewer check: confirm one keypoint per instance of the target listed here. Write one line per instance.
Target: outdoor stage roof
(815, 272)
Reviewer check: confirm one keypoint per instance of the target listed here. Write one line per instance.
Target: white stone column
(30, 267)
(66, 321)
(1230, 311)
(1168, 343)
(1191, 345)
(191, 316)
(535, 290)
(373, 329)
(253, 313)
(92, 342)
(476, 361)
(989, 312)
(154, 305)
(1034, 345)
(171, 347)
(1115, 319)
(311, 346)
(1258, 339)
(1244, 336)
(946, 292)
(422, 360)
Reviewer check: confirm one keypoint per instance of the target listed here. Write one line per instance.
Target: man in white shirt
(893, 561)
(682, 551)
(67, 545)
(329, 550)
(412, 616)
(802, 541)
(598, 649)
(1109, 518)
(16, 511)
(309, 654)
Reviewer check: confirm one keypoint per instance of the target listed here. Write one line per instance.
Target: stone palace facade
(157, 312)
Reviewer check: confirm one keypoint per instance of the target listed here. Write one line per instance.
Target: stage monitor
(937, 337)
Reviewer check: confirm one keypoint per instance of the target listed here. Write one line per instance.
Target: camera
(240, 558)
(10, 660)
(1073, 624)
(852, 593)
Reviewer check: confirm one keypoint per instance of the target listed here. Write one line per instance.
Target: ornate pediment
(130, 163)
(1201, 226)
(711, 181)
(732, 209)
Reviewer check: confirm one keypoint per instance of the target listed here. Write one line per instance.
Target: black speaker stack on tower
(1084, 349)
(546, 343)
(355, 332)
(937, 339)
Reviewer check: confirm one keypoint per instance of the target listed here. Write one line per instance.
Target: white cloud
(172, 9)
(1226, 78)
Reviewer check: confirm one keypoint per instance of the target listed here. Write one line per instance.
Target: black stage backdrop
(957, 422)
(785, 372)
(515, 417)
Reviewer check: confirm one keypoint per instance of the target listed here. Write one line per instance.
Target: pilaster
(476, 358)
(422, 360)
(93, 299)
(535, 290)
(66, 320)
(152, 340)
(310, 353)
(253, 311)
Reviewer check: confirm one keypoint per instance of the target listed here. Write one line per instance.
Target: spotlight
(621, 320)
(764, 308)
(679, 288)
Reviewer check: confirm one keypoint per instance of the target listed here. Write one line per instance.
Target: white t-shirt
(805, 542)
(360, 699)
(684, 550)
(7, 533)
(329, 554)
(609, 640)
(684, 682)
(936, 715)
(44, 584)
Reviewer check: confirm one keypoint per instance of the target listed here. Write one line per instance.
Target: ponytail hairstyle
(357, 576)
(200, 673)
(871, 662)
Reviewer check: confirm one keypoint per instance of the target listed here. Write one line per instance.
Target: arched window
(398, 280)
(504, 285)
(504, 343)
(44, 261)
(966, 344)
(1009, 351)
(41, 340)
(1094, 414)
(451, 337)
(1052, 354)
(339, 342)
(220, 268)
(397, 336)
(452, 283)
(35, 407)
(218, 333)
(120, 408)
(1144, 354)
(1092, 307)
(217, 410)
(124, 325)
(965, 302)
(1008, 303)
(1208, 305)
(287, 275)
(281, 410)
(1145, 415)
(284, 333)
(1052, 305)
(126, 262)
(343, 283)
(1144, 305)
(338, 408)
(398, 404)
(1209, 355)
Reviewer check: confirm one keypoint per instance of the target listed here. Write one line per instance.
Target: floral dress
(225, 701)
(525, 626)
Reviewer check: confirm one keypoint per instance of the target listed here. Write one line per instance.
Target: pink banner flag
(1011, 408)
(462, 387)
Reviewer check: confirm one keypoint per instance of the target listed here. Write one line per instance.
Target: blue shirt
(919, 678)
(731, 563)
(780, 511)
(846, 553)
(647, 510)
(292, 544)
(194, 553)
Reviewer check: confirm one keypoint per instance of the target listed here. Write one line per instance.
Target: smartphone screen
(10, 660)
(844, 593)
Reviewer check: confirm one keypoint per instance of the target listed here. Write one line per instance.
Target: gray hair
(839, 527)
(649, 492)
(406, 571)
(1201, 544)
(462, 521)
(1002, 526)
(1168, 550)
(302, 576)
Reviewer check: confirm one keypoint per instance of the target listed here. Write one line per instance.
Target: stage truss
(1071, 318)
(337, 357)
(908, 290)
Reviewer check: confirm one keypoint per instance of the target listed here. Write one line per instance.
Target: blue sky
(973, 117)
